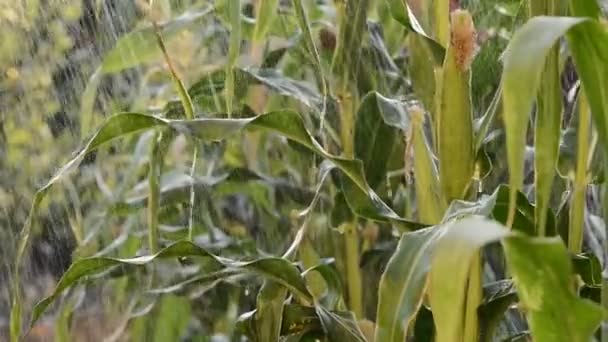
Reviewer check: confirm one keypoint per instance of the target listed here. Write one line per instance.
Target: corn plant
(396, 197)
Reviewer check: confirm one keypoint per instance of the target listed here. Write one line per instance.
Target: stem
(234, 14)
(189, 113)
(192, 195)
(179, 85)
(474, 298)
(353, 273)
(577, 207)
(154, 197)
(351, 234)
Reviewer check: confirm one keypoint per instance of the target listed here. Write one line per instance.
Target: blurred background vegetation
(51, 52)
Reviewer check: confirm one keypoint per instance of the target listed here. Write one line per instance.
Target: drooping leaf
(589, 50)
(333, 294)
(297, 90)
(542, 272)
(286, 123)
(450, 269)
(371, 206)
(548, 121)
(403, 284)
(276, 269)
(524, 60)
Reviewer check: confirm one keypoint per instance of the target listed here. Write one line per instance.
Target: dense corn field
(265, 170)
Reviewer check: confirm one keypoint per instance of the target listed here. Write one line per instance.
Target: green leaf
(524, 60)
(588, 267)
(269, 311)
(266, 13)
(525, 212)
(400, 10)
(287, 123)
(542, 272)
(277, 269)
(339, 326)
(498, 296)
(285, 86)
(172, 318)
(375, 134)
(450, 270)
(333, 294)
(233, 9)
(403, 284)
(548, 121)
(352, 18)
(298, 319)
(588, 44)
(140, 46)
(369, 205)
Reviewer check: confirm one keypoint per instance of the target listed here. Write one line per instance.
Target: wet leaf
(277, 269)
(542, 272)
(299, 318)
(140, 46)
(333, 294)
(450, 269)
(403, 284)
(524, 60)
(339, 327)
(269, 311)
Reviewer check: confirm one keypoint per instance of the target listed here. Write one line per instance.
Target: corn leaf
(450, 269)
(542, 272)
(524, 60)
(403, 284)
(277, 269)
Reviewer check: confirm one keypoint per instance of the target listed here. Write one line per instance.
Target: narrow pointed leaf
(276, 269)
(524, 60)
(450, 269)
(403, 284)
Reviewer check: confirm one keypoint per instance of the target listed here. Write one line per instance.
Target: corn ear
(454, 120)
